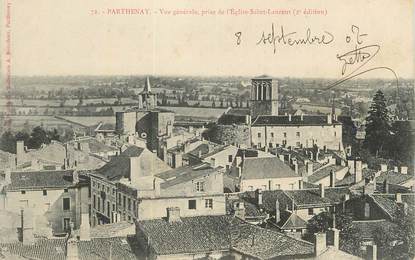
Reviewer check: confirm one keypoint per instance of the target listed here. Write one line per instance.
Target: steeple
(147, 86)
(147, 99)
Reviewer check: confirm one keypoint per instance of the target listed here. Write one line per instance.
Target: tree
(377, 125)
(401, 143)
(37, 138)
(8, 142)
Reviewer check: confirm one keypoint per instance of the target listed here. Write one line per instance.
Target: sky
(57, 37)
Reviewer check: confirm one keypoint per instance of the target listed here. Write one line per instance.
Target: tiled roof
(388, 204)
(394, 177)
(332, 253)
(53, 249)
(184, 174)
(103, 248)
(239, 111)
(263, 243)
(261, 168)
(367, 228)
(190, 235)
(336, 194)
(324, 172)
(207, 149)
(308, 198)
(226, 119)
(41, 179)
(295, 120)
(251, 210)
(349, 178)
(97, 147)
(118, 229)
(216, 233)
(105, 127)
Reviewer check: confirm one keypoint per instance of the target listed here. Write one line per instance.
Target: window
(259, 145)
(66, 203)
(270, 145)
(298, 134)
(113, 207)
(209, 203)
(251, 188)
(113, 191)
(297, 144)
(285, 135)
(65, 190)
(259, 135)
(284, 142)
(192, 204)
(272, 135)
(129, 204)
(23, 192)
(94, 202)
(99, 185)
(123, 201)
(277, 186)
(45, 192)
(129, 218)
(119, 198)
(66, 224)
(310, 211)
(99, 204)
(108, 209)
(93, 183)
(200, 186)
(230, 159)
(335, 134)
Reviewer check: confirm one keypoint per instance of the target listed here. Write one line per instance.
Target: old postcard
(207, 129)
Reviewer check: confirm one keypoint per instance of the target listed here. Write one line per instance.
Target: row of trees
(33, 140)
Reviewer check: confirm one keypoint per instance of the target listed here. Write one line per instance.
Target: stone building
(262, 127)
(146, 120)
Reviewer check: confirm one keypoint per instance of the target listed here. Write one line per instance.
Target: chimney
(199, 154)
(19, 152)
(72, 252)
(281, 156)
(212, 162)
(84, 232)
(329, 117)
(178, 160)
(7, 176)
(371, 252)
(238, 171)
(75, 177)
(240, 210)
(295, 164)
(309, 168)
(383, 167)
(317, 154)
(289, 117)
(385, 186)
(300, 184)
(27, 219)
(135, 165)
(398, 198)
(248, 119)
(320, 243)
(321, 190)
(332, 178)
(277, 211)
(395, 169)
(404, 169)
(333, 235)
(259, 196)
(358, 170)
(302, 117)
(173, 214)
(156, 187)
(311, 155)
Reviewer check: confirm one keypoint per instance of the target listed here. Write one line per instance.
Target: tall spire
(147, 86)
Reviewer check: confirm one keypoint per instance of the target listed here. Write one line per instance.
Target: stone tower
(147, 99)
(264, 96)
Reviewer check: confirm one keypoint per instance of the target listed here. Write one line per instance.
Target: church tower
(264, 96)
(147, 99)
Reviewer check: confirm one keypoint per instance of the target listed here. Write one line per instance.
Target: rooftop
(53, 249)
(324, 172)
(394, 177)
(41, 180)
(262, 168)
(295, 120)
(102, 248)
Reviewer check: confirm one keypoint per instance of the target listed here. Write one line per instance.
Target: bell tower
(264, 96)
(147, 99)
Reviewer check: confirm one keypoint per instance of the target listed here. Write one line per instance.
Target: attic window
(23, 192)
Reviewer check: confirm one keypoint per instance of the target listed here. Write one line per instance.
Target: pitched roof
(102, 248)
(97, 147)
(394, 177)
(118, 229)
(291, 220)
(207, 149)
(184, 174)
(388, 204)
(295, 120)
(350, 178)
(220, 233)
(119, 166)
(324, 172)
(333, 253)
(40, 180)
(53, 249)
(190, 235)
(267, 244)
(308, 198)
(367, 228)
(262, 168)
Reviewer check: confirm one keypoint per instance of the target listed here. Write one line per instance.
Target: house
(114, 186)
(95, 147)
(59, 197)
(269, 173)
(328, 175)
(215, 237)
